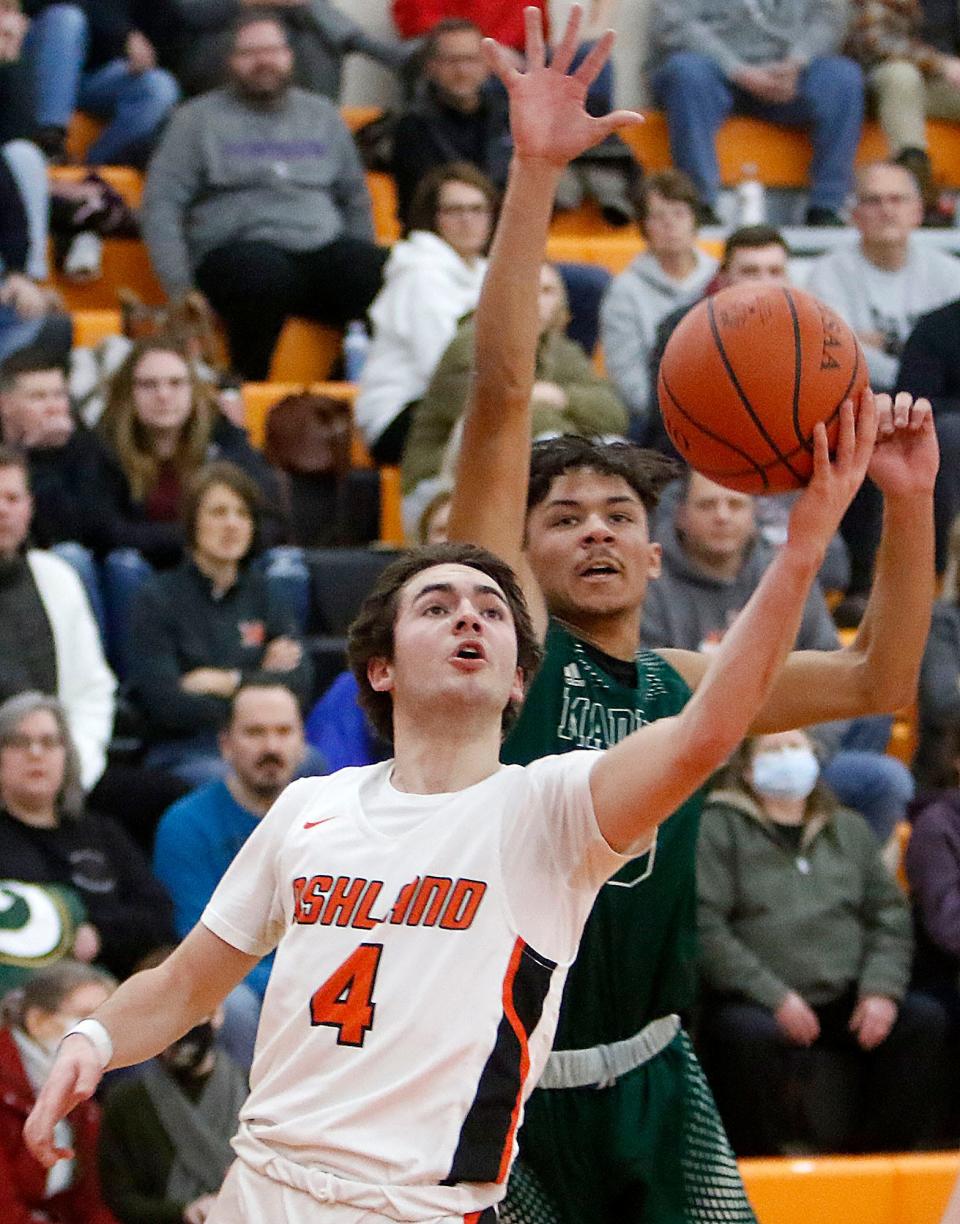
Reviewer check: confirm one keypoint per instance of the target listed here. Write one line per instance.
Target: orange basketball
(746, 376)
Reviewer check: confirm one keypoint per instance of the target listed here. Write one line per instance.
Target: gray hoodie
(632, 308)
(691, 610)
(735, 33)
(226, 171)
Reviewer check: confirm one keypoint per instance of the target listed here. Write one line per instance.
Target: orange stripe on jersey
(510, 1014)
(490, 1124)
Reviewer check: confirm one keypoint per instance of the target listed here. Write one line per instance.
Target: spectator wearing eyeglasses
(431, 280)
(48, 837)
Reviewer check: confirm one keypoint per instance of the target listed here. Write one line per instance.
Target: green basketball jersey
(637, 957)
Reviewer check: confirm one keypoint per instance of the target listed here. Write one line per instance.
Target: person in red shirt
(35, 1017)
(499, 19)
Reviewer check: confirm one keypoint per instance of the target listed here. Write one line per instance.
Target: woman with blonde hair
(161, 424)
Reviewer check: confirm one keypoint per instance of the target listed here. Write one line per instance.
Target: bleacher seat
(92, 326)
(908, 1189)
(340, 579)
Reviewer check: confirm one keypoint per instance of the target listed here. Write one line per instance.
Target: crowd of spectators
(158, 686)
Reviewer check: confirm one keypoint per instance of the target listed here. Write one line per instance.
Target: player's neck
(446, 756)
(617, 635)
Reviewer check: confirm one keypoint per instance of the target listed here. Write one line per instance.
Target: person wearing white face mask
(809, 1034)
(35, 1018)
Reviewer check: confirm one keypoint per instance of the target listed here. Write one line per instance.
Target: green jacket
(593, 407)
(817, 921)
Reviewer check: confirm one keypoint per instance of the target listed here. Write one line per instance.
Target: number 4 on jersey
(345, 1000)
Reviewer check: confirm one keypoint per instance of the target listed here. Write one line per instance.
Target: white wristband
(98, 1037)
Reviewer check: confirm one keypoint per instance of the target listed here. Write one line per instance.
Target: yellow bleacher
(907, 1189)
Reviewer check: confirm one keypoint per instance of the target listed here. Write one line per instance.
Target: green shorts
(651, 1149)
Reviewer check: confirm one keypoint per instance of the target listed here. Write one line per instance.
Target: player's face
(264, 742)
(589, 546)
(888, 205)
(766, 265)
(455, 646)
(32, 763)
(715, 523)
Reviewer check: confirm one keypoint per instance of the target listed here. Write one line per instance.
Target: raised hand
(548, 119)
(907, 455)
(818, 510)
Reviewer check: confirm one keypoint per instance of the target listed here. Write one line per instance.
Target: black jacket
(930, 364)
(178, 624)
(129, 908)
(431, 134)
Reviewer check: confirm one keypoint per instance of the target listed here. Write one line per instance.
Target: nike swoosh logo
(312, 824)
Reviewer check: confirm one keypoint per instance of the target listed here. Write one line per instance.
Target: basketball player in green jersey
(623, 1129)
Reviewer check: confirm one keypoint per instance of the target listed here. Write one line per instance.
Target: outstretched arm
(648, 775)
(550, 127)
(878, 672)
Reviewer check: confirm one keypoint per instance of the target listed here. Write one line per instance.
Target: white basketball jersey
(422, 947)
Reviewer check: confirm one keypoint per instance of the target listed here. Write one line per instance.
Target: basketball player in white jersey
(424, 911)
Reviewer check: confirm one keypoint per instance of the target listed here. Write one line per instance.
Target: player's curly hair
(647, 472)
(371, 634)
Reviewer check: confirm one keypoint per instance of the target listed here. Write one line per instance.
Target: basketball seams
(754, 467)
(748, 408)
(805, 443)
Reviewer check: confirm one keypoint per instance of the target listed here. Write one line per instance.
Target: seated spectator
(458, 115)
(911, 80)
(49, 642)
(569, 397)
(165, 1137)
(263, 749)
(714, 58)
(431, 280)
(672, 272)
(256, 197)
(203, 628)
(713, 558)
(938, 696)
(47, 836)
(160, 426)
(321, 36)
(930, 366)
(805, 944)
(885, 282)
(752, 254)
(35, 1018)
(29, 315)
(932, 864)
(92, 57)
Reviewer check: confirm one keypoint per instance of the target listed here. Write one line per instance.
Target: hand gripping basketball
(818, 510)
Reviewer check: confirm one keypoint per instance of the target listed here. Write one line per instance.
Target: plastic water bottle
(356, 346)
(751, 197)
